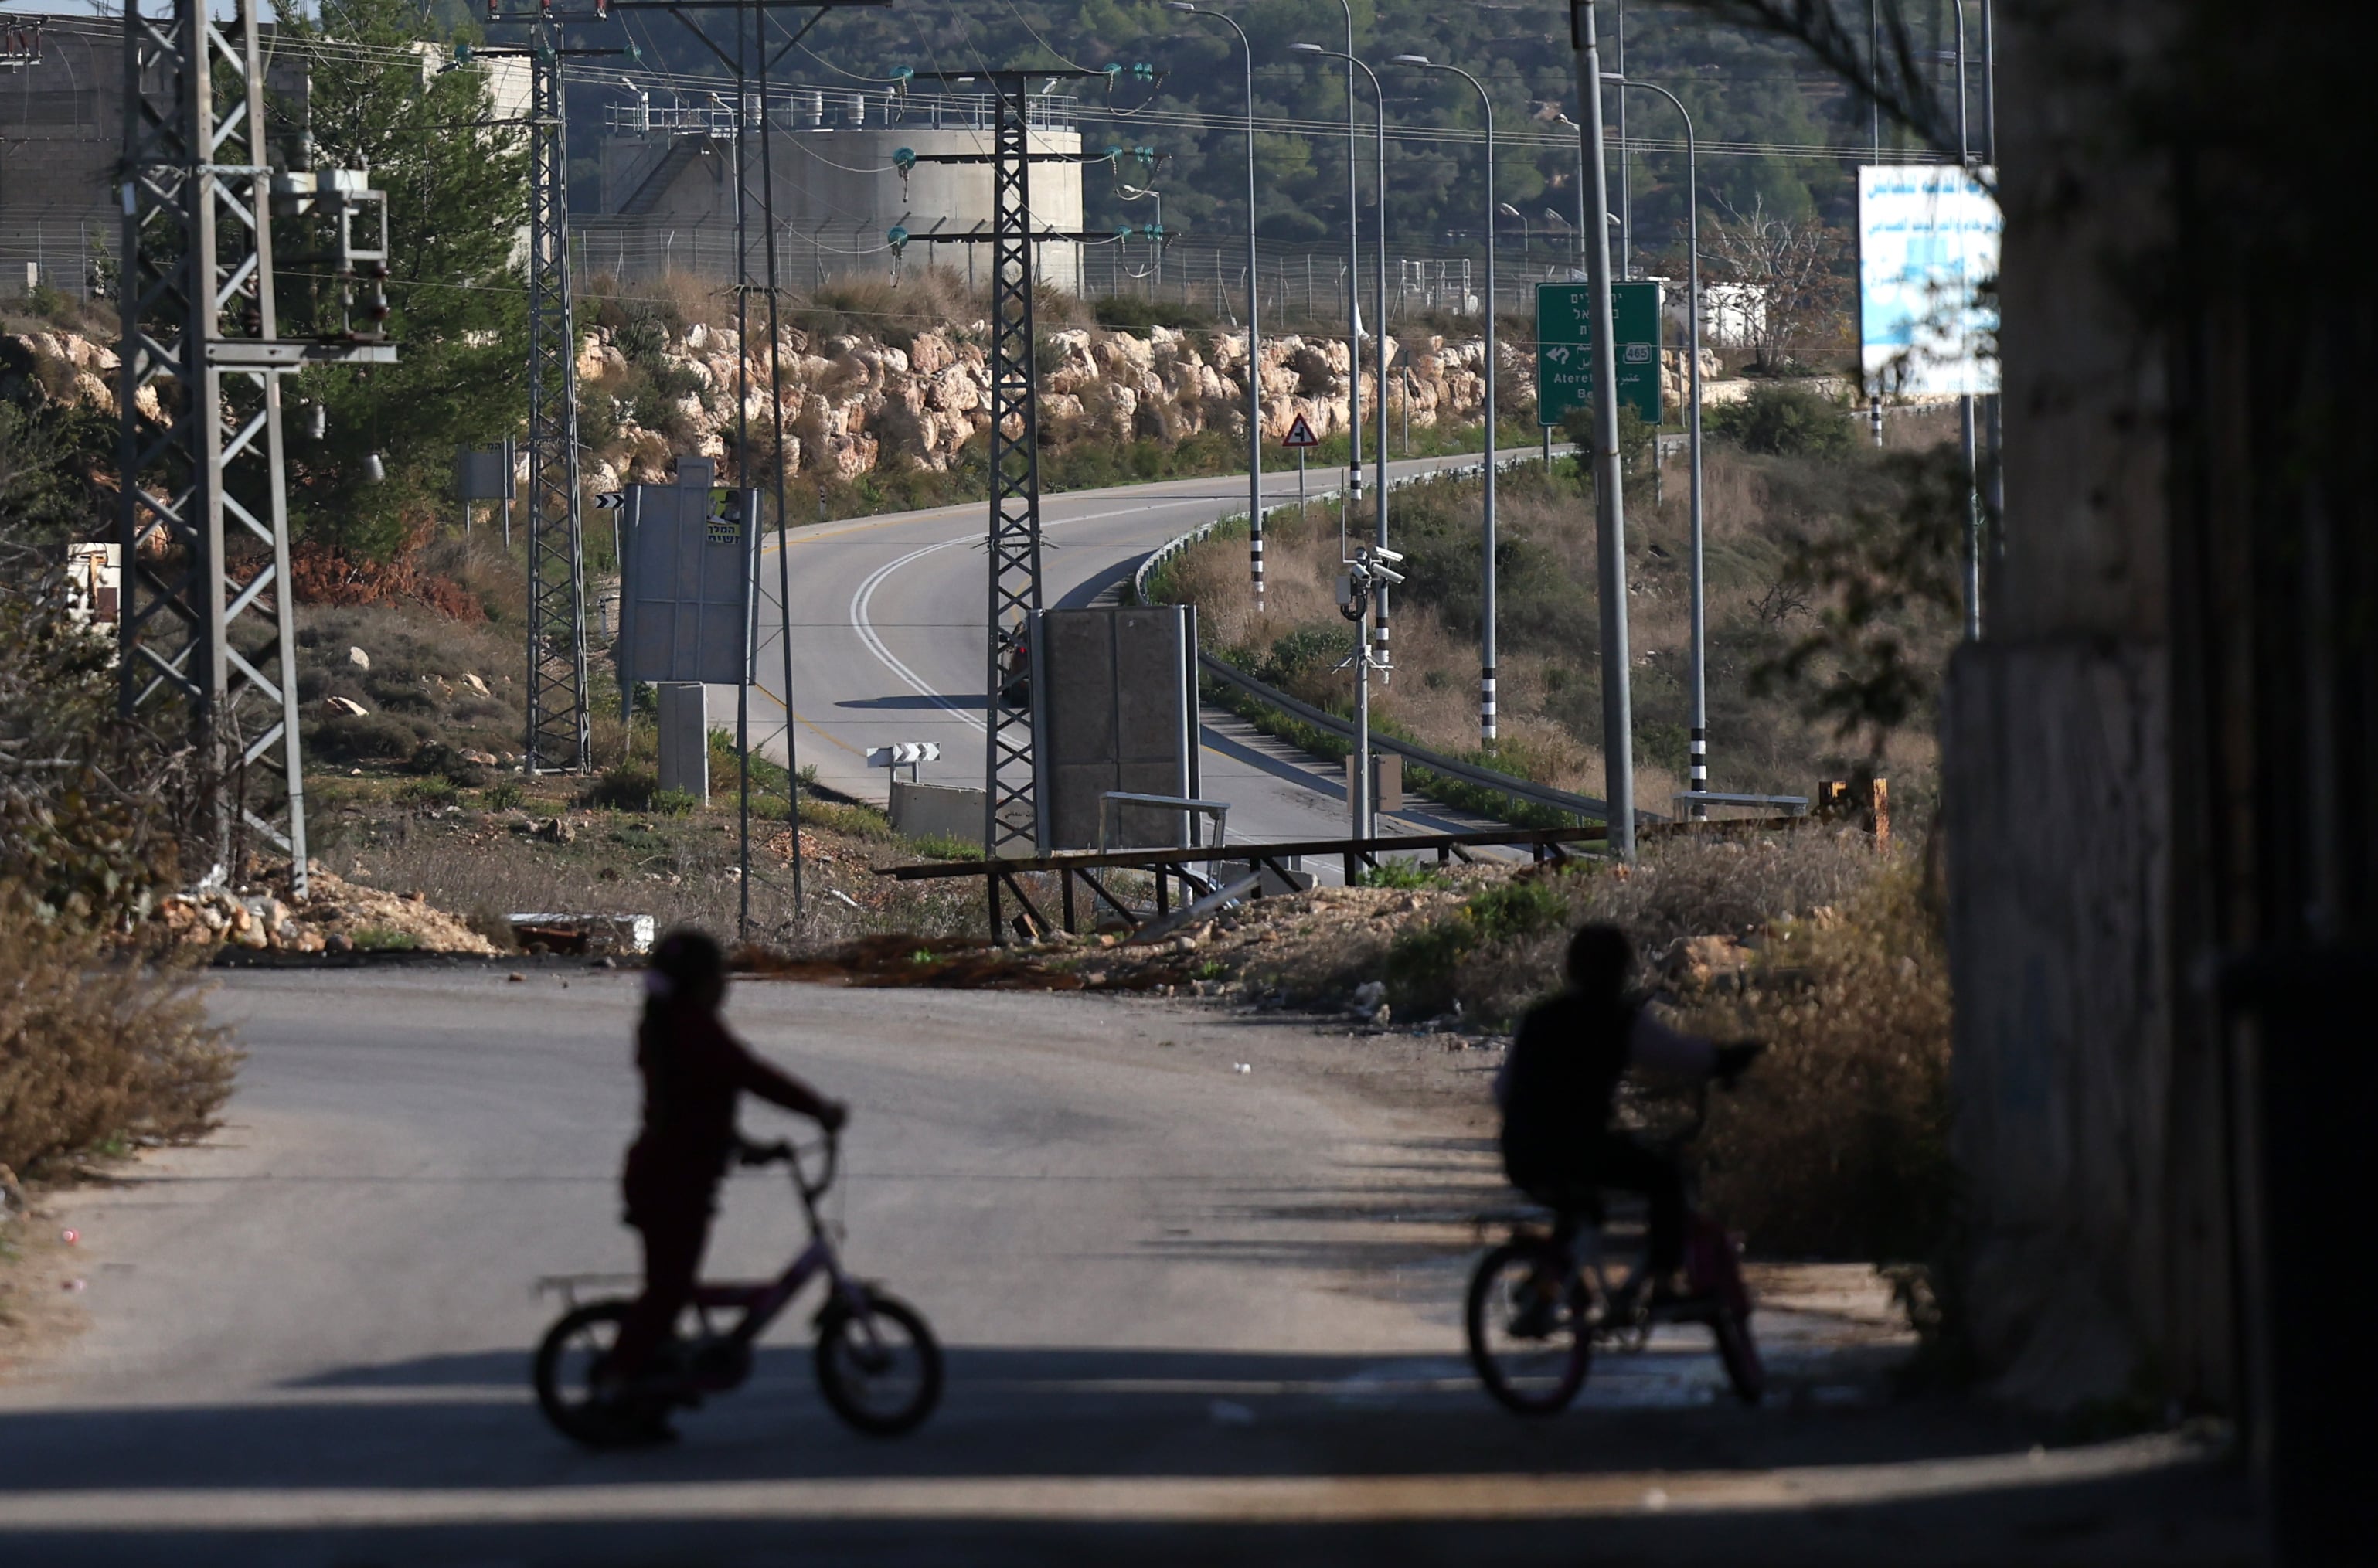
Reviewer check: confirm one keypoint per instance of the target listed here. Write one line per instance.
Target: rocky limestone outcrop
(854, 405)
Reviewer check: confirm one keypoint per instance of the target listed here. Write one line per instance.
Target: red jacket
(692, 1071)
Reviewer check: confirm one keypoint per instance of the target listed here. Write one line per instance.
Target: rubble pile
(337, 916)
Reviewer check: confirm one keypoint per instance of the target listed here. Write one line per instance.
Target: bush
(624, 789)
(91, 1053)
(1423, 961)
(501, 795)
(674, 802)
(1837, 1142)
(1399, 874)
(1783, 421)
(432, 791)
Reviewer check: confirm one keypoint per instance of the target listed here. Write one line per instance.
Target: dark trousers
(1625, 1165)
(674, 1238)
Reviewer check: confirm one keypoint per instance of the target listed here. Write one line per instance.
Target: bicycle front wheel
(880, 1368)
(1528, 1337)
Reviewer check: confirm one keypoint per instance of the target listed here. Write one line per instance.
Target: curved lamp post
(1486, 727)
(1698, 675)
(1254, 326)
(1380, 597)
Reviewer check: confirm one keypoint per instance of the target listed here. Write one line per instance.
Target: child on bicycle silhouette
(1559, 1084)
(693, 1071)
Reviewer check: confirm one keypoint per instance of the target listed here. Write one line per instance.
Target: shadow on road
(1090, 1456)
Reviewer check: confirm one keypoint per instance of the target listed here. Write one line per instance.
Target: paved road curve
(1195, 1315)
(888, 616)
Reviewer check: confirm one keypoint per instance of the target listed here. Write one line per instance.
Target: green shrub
(627, 787)
(1399, 874)
(1423, 961)
(1783, 421)
(380, 938)
(432, 791)
(674, 802)
(1516, 910)
(501, 795)
(858, 821)
(935, 846)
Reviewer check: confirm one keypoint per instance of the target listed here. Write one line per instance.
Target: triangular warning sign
(1300, 434)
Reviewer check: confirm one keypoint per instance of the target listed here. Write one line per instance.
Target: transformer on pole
(203, 517)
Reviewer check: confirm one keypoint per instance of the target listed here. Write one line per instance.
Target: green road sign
(1565, 349)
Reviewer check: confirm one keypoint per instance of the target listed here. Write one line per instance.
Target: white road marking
(863, 599)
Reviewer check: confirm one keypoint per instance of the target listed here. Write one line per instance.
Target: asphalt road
(1193, 1315)
(888, 636)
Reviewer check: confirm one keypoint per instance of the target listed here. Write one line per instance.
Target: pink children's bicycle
(1542, 1300)
(876, 1359)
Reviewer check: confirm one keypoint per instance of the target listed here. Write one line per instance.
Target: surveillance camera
(1386, 574)
(1387, 555)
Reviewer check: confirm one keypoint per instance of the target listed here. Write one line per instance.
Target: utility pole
(559, 736)
(1609, 495)
(204, 509)
(559, 739)
(1014, 811)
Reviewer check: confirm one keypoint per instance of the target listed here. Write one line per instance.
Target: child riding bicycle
(693, 1071)
(1558, 1087)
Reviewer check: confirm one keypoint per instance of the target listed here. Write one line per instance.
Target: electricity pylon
(208, 616)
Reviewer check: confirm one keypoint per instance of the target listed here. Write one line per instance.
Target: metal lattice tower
(1008, 766)
(203, 516)
(559, 735)
(1013, 813)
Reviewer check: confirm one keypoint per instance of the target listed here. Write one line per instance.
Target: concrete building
(61, 135)
(667, 196)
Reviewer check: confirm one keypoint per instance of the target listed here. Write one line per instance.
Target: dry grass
(1757, 509)
(1684, 887)
(1837, 1144)
(94, 1051)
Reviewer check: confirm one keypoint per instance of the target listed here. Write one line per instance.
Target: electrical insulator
(904, 158)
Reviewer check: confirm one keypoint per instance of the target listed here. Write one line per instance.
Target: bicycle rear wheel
(879, 1367)
(1528, 1337)
(564, 1375)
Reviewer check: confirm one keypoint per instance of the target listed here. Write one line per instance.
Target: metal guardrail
(1451, 767)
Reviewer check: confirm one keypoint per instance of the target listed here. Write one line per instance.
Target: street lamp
(1487, 726)
(1380, 600)
(1563, 121)
(1509, 211)
(1254, 324)
(1698, 675)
